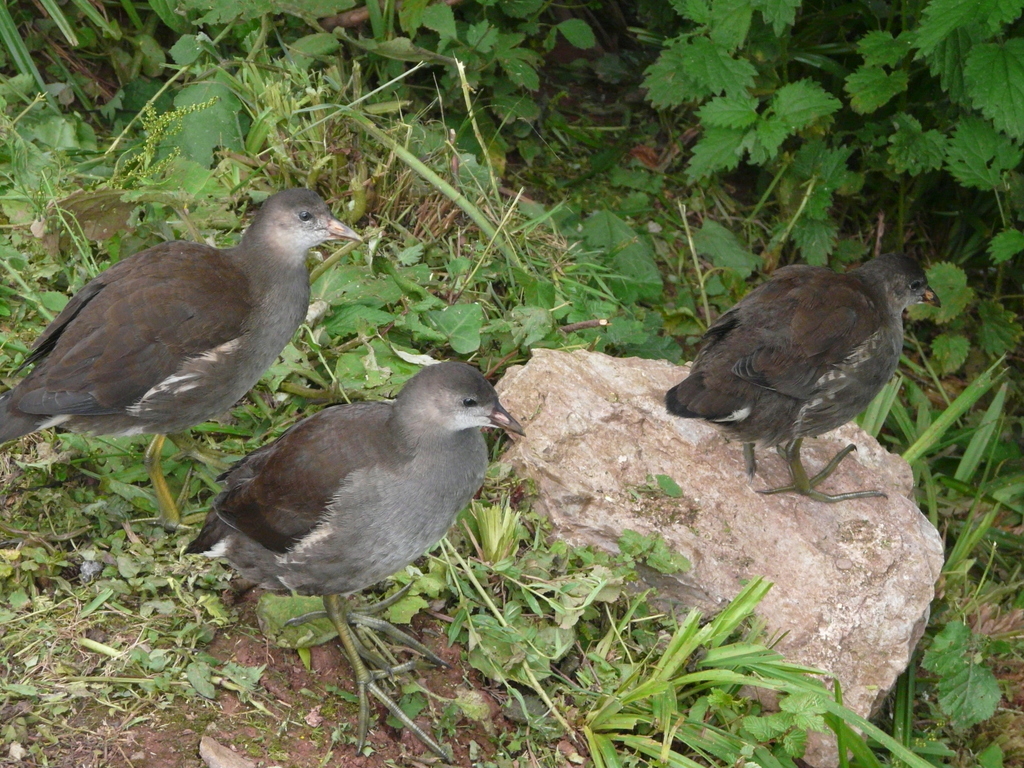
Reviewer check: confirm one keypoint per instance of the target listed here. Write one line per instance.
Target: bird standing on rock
(174, 335)
(801, 355)
(353, 494)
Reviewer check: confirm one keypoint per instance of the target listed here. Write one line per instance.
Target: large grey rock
(853, 580)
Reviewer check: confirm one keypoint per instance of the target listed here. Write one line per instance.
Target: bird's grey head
(903, 279)
(452, 397)
(293, 221)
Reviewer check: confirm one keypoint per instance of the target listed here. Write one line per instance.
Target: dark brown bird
(801, 355)
(349, 496)
(174, 335)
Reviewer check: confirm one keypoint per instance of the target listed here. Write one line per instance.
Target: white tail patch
(737, 415)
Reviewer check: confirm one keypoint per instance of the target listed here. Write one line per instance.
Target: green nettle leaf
(519, 70)
(816, 239)
(410, 15)
(578, 33)
(969, 696)
(719, 149)
(440, 18)
(978, 155)
(698, 11)
(695, 69)
(711, 65)
(668, 83)
(950, 283)
(950, 351)
(735, 111)
(730, 22)
(947, 62)
(872, 87)
(1006, 245)
(941, 17)
(799, 104)
(998, 331)
(994, 75)
(764, 141)
(881, 49)
(461, 324)
(724, 249)
(521, 9)
(668, 486)
(912, 150)
(780, 14)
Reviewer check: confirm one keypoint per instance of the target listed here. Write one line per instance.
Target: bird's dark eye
(305, 216)
(917, 285)
(469, 402)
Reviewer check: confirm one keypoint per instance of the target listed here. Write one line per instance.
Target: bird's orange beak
(930, 297)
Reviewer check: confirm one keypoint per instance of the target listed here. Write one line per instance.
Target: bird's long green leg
(167, 508)
(805, 485)
(750, 460)
(188, 446)
(366, 681)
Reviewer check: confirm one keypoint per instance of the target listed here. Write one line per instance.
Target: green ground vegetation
(523, 171)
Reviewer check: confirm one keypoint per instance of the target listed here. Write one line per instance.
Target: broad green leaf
(403, 611)
(880, 49)
(186, 50)
(212, 126)
(764, 141)
(668, 82)
(274, 611)
(950, 351)
(978, 155)
(947, 62)
(872, 87)
(970, 695)
(998, 331)
(816, 238)
(606, 231)
(719, 149)
(461, 324)
(1006, 245)
(950, 283)
(724, 249)
(520, 9)
(318, 44)
(637, 277)
(729, 111)
(521, 73)
(578, 33)
(799, 104)
(913, 150)
(714, 68)
(440, 18)
(780, 14)
(994, 74)
(668, 486)
(198, 674)
(730, 22)
(410, 15)
(940, 18)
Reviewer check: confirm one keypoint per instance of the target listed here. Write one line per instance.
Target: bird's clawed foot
(344, 621)
(805, 485)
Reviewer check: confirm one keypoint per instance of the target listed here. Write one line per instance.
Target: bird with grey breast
(353, 494)
(173, 335)
(801, 355)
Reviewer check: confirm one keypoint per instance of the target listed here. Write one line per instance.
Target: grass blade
(971, 395)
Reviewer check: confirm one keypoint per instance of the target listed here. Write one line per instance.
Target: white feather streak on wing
(184, 379)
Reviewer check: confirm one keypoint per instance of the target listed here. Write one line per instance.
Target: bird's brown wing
(132, 327)
(809, 320)
(279, 493)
